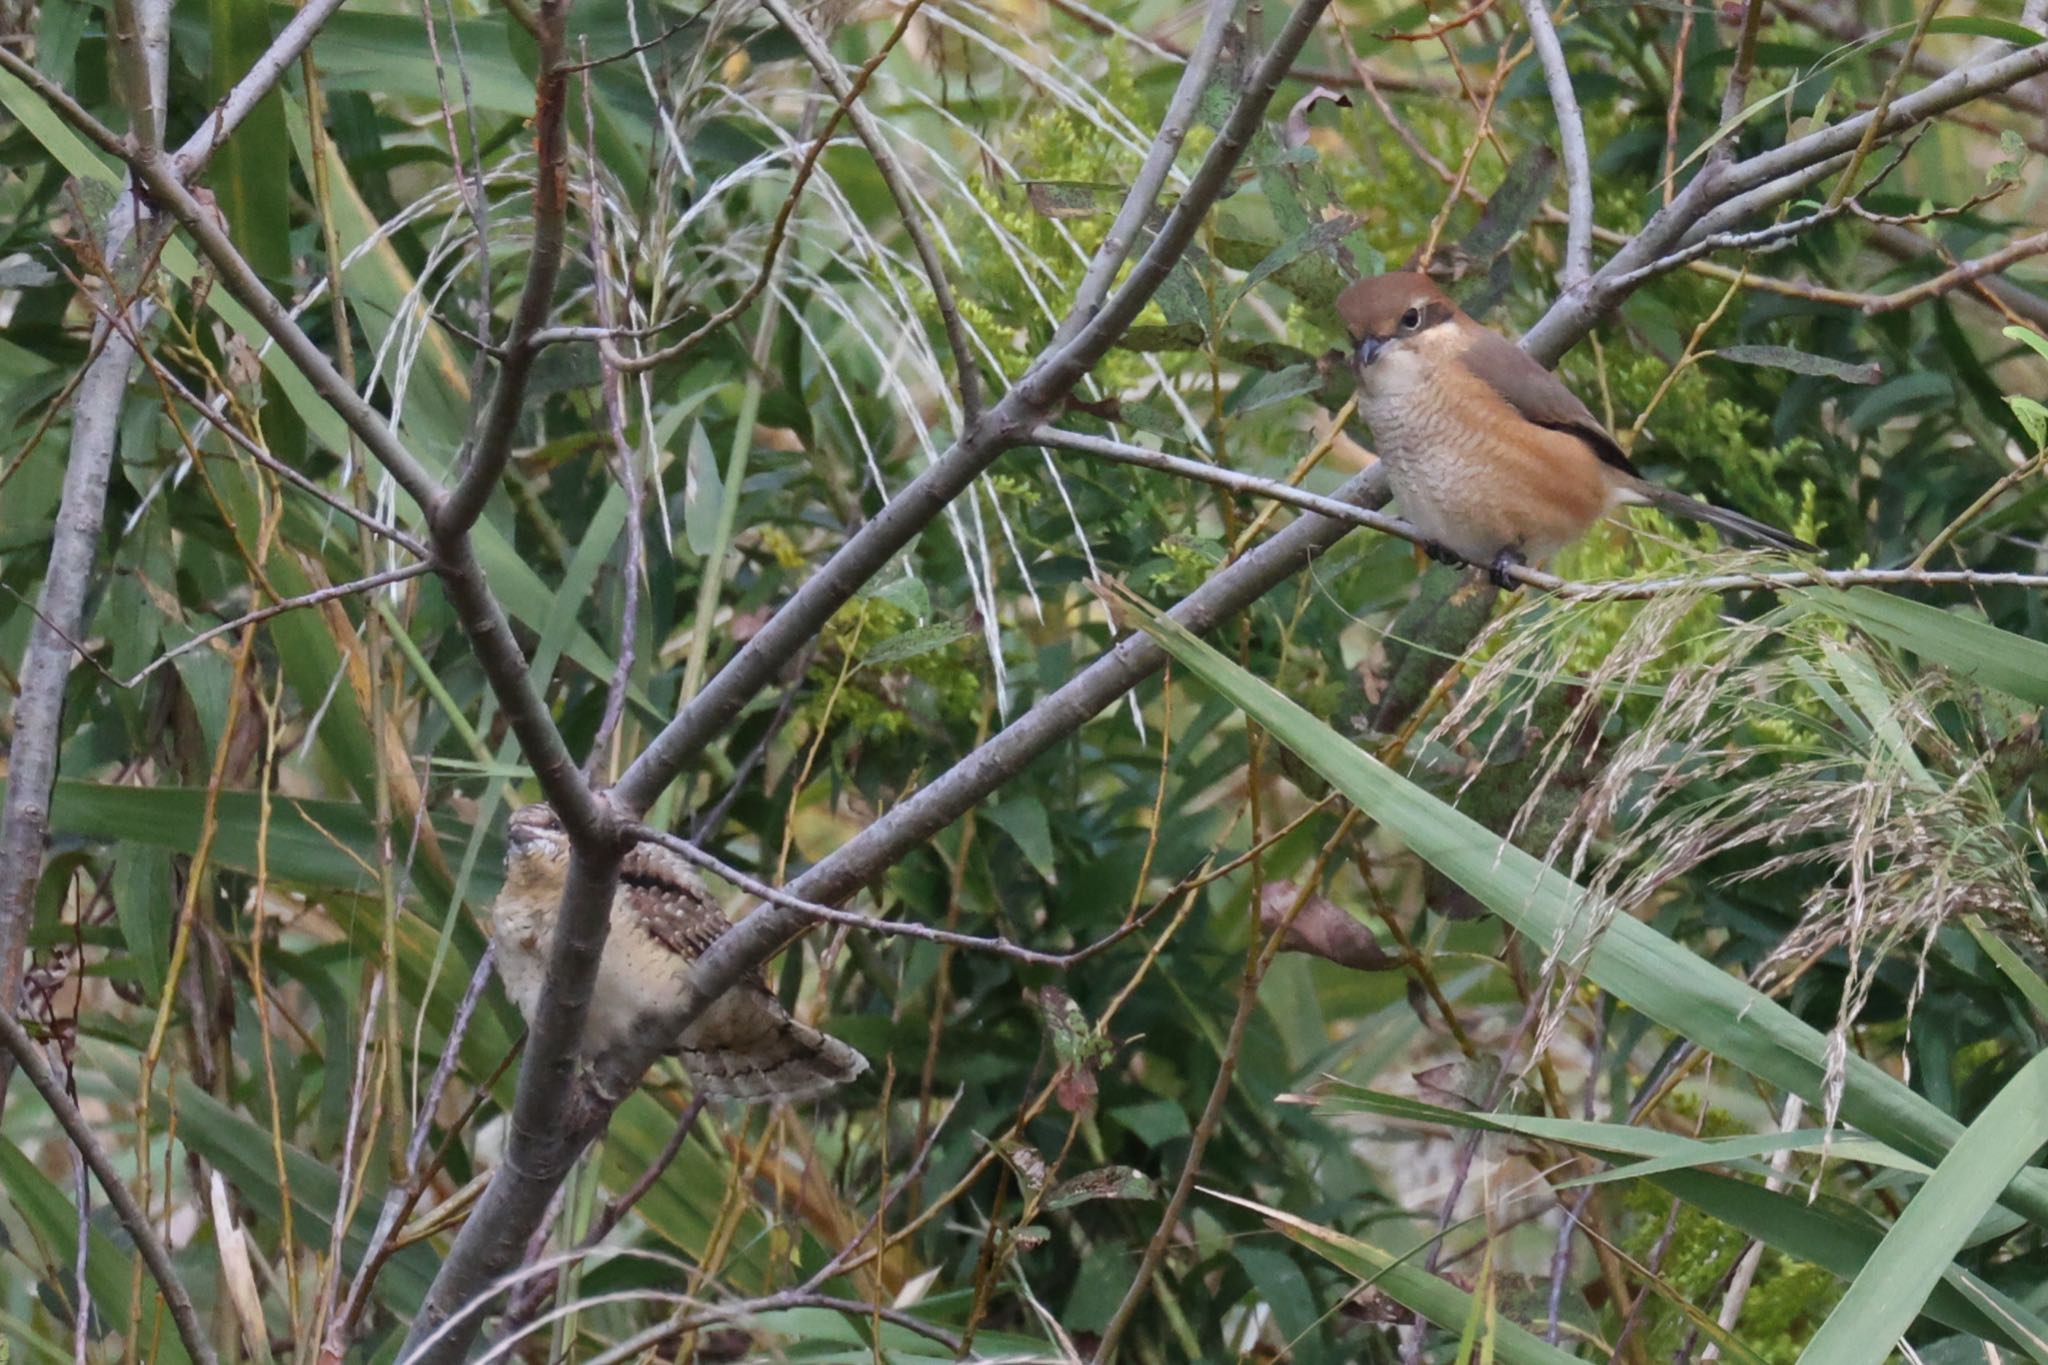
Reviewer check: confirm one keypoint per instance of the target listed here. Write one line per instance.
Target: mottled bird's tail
(789, 1060)
(1734, 523)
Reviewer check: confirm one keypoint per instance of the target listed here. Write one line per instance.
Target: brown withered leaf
(1323, 929)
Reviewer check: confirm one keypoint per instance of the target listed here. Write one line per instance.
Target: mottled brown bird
(744, 1047)
(1489, 455)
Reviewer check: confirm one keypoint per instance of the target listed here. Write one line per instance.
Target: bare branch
(778, 231)
(906, 514)
(2013, 252)
(1571, 131)
(1612, 590)
(311, 599)
(490, 444)
(1001, 947)
(258, 81)
(882, 844)
(133, 1217)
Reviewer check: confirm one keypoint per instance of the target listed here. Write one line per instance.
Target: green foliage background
(260, 910)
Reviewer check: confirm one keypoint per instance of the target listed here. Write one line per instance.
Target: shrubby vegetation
(1350, 1080)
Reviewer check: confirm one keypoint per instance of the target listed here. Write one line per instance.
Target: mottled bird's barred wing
(668, 900)
(1539, 395)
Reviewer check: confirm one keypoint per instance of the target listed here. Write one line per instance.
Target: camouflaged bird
(744, 1047)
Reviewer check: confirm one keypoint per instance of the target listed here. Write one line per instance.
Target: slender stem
(132, 1215)
(1571, 130)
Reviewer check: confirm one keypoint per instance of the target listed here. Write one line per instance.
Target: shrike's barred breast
(1488, 454)
(745, 1047)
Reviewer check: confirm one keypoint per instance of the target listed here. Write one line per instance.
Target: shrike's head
(1391, 316)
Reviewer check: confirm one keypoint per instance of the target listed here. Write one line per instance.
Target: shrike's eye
(1411, 319)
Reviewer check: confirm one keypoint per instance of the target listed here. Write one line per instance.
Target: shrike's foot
(1498, 573)
(1442, 554)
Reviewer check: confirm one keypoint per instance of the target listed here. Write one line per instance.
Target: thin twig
(311, 599)
(154, 1255)
(482, 462)
(848, 95)
(612, 386)
(1571, 131)
(1001, 947)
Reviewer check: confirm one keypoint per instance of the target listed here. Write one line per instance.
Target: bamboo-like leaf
(2011, 663)
(1888, 1293)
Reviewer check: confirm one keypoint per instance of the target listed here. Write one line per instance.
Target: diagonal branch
(926, 497)
(134, 1219)
(741, 949)
(258, 81)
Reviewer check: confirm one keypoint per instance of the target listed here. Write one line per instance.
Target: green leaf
(52, 1218)
(252, 168)
(703, 493)
(1023, 819)
(1976, 649)
(2032, 416)
(1277, 387)
(2030, 337)
(1623, 956)
(1887, 1295)
(1415, 1288)
(910, 644)
(1320, 237)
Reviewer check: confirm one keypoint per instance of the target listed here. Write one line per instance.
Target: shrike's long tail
(1734, 523)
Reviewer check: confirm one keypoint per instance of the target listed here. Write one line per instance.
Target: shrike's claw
(1498, 573)
(1440, 553)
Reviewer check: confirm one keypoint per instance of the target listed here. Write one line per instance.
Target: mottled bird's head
(1387, 314)
(536, 846)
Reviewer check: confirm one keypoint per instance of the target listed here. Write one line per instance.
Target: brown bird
(745, 1047)
(1489, 455)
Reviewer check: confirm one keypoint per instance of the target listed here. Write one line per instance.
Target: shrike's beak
(1368, 351)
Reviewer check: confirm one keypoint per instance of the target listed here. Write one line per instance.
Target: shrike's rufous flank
(1489, 455)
